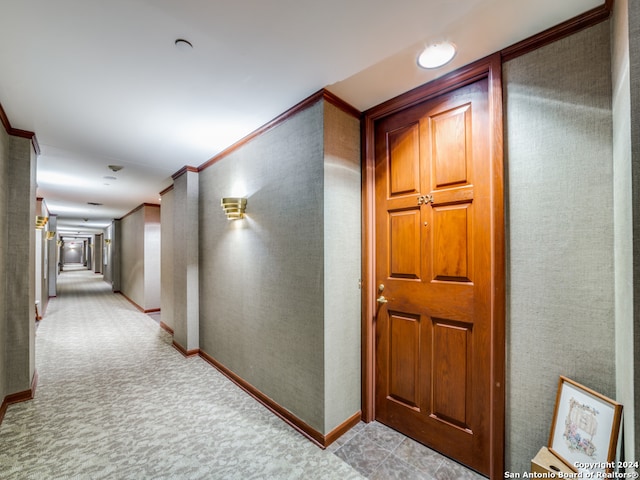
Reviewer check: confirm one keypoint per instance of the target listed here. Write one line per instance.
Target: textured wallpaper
(279, 297)
(4, 158)
(560, 277)
(166, 259)
(342, 266)
(634, 89)
(261, 278)
(19, 264)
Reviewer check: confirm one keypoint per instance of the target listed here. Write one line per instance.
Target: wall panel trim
(138, 307)
(19, 396)
(166, 328)
(166, 190)
(303, 105)
(141, 206)
(184, 351)
(181, 172)
(16, 132)
(296, 423)
(553, 34)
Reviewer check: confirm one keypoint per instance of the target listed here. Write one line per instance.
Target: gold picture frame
(585, 427)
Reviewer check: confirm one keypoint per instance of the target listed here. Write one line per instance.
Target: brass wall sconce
(234, 207)
(51, 234)
(41, 222)
(59, 243)
(107, 241)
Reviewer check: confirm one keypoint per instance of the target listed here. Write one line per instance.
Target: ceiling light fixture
(437, 55)
(115, 168)
(183, 45)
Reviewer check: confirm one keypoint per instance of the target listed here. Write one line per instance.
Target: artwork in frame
(585, 427)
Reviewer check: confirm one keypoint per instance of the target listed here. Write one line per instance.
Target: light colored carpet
(116, 401)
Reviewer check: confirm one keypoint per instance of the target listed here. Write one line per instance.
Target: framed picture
(585, 427)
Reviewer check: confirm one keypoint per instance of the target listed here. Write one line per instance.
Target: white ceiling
(102, 83)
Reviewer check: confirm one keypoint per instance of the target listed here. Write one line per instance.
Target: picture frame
(585, 427)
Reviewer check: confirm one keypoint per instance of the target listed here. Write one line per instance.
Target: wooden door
(433, 250)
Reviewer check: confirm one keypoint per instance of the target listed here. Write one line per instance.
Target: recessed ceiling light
(437, 55)
(183, 45)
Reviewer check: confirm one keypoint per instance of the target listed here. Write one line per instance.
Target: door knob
(381, 299)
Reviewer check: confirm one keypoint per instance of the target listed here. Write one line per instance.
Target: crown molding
(311, 100)
(166, 190)
(184, 170)
(138, 208)
(16, 132)
(564, 29)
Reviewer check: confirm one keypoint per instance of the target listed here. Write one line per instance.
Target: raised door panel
(404, 160)
(404, 358)
(404, 244)
(450, 373)
(452, 252)
(450, 146)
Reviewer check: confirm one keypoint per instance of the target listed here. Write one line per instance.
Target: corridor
(116, 401)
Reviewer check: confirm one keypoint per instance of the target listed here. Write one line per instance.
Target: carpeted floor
(116, 401)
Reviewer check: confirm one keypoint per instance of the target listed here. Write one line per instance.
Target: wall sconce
(107, 241)
(51, 234)
(59, 243)
(234, 207)
(41, 222)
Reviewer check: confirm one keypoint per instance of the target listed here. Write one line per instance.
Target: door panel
(452, 255)
(450, 372)
(404, 244)
(432, 170)
(450, 132)
(404, 161)
(404, 353)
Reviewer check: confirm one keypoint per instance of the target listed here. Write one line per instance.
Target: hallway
(115, 400)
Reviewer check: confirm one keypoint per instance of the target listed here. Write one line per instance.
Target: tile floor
(380, 453)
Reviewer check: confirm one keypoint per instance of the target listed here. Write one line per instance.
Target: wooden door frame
(490, 68)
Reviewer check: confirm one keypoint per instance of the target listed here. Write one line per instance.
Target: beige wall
(623, 222)
(108, 269)
(52, 255)
(132, 257)
(269, 308)
(139, 257)
(4, 243)
(17, 264)
(634, 81)
(152, 257)
(42, 259)
(186, 260)
(166, 261)
(342, 265)
(560, 265)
